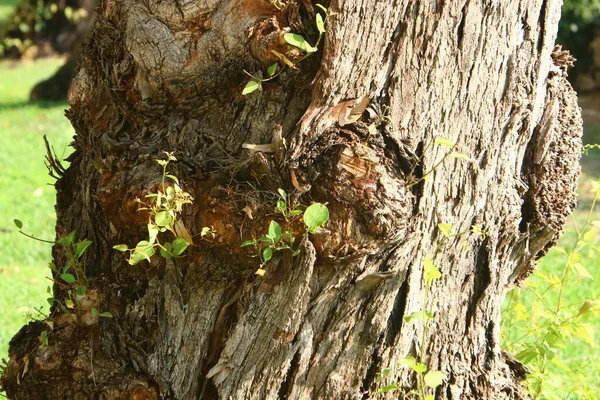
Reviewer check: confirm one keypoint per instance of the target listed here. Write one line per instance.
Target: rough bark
(157, 77)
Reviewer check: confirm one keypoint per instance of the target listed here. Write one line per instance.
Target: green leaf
(272, 69)
(106, 314)
(143, 251)
(267, 254)
(295, 40)
(274, 231)
(68, 278)
(166, 254)
(582, 272)
(431, 271)
(295, 212)
(422, 315)
(121, 247)
(446, 229)
(179, 246)
(251, 86)
(81, 290)
(320, 23)
(322, 8)
(18, 223)
(434, 379)
(315, 216)
(163, 218)
(589, 235)
(281, 206)
(153, 231)
(94, 310)
(460, 156)
(248, 243)
(82, 247)
(442, 141)
(388, 388)
(282, 193)
(67, 241)
(298, 41)
(266, 239)
(173, 177)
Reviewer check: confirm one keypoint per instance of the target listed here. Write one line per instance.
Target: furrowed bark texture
(160, 77)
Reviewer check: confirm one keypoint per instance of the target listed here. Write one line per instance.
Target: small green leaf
(282, 193)
(106, 314)
(322, 7)
(274, 231)
(295, 212)
(94, 310)
(295, 40)
(82, 247)
(266, 239)
(251, 86)
(281, 206)
(143, 251)
(315, 216)
(173, 177)
(121, 247)
(179, 246)
(423, 315)
(460, 156)
(66, 241)
(446, 229)
(163, 218)
(267, 254)
(248, 243)
(81, 290)
(388, 388)
(272, 69)
(434, 379)
(18, 223)
(444, 142)
(589, 235)
(431, 272)
(166, 253)
(298, 41)
(68, 278)
(320, 23)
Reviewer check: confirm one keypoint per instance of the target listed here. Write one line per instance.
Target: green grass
(569, 365)
(26, 191)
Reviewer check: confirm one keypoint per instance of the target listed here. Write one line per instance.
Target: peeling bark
(160, 77)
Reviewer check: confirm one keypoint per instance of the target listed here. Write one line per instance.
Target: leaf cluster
(163, 209)
(314, 217)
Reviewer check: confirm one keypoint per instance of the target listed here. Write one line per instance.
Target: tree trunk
(160, 77)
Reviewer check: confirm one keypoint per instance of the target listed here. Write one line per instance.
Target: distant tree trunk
(158, 76)
(56, 87)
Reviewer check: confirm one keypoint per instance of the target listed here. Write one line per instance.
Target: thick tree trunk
(160, 77)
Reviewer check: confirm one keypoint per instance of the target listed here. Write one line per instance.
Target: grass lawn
(26, 191)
